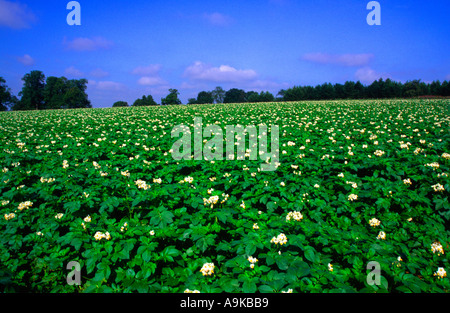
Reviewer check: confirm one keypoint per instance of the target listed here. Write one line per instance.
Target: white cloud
(107, 85)
(26, 60)
(149, 75)
(15, 15)
(348, 59)
(150, 70)
(87, 44)
(223, 74)
(264, 85)
(369, 75)
(217, 19)
(73, 72)
(99, 73)
(151, 81)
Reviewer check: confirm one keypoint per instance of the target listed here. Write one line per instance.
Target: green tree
(144, 101)
(445, 89)
(295, 93)
(435, 88)
(75, 96)
(172, 98)
(7, 99)
(415, 88)
(120, 104)
(235, 95)
(280, 95)
(32, 94)
(192, 101)
(54, 92)
(218, 94)
(252, 96)
(327, 91)
(204, 97)
(263, 96)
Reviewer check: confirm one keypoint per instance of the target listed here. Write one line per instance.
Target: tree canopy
(118, 104)
(39, 93)
(144, 101)
(172, 98)
(7, 99)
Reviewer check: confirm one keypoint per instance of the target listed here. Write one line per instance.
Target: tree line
(41, 93)
(379, 89)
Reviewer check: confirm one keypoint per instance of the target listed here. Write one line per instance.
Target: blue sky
(130, 48)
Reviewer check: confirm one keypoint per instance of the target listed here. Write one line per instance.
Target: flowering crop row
(356, 181)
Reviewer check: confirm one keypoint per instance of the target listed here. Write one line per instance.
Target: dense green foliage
(120, 104)
(144, 101)
(379, 89)
(104, 191)
(172, 98)
(39, 93)
(7, 99)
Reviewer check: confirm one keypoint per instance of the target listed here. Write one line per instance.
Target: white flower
(191, 291)
(379, 152)
(381, 235)
(59, 216)
(189, 179)
(252, 259)
(9, 216)
(212, 200)
(354, 185)
(25, 205)
(374, 222)
(330, 267)
(141, 184)
(280, 239)
(65, 164)
(437, 247)
(47, 180)
(438, 187)
(441, 273)
(152, 233)
(207, 269)
(352, 197)
(407, 181)
(434, 165)
(99, 236)
(295, 215)
(255, 226)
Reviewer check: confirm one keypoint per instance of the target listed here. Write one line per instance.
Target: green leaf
(77, 242)
(310, 255)
(265, 289)
(250, 249)
(72, 207)
(248, 286)
(283, 263)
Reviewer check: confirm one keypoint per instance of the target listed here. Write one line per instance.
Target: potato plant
(357, 182)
